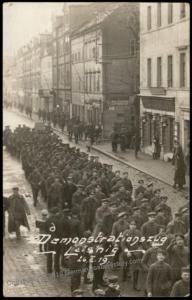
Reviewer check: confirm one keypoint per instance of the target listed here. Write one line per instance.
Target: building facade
(105, 67)
(46, 82)
(164, 75)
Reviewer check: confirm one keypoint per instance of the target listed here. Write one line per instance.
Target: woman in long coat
(178, 161)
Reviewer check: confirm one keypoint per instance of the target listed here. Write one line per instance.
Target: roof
(99, 18)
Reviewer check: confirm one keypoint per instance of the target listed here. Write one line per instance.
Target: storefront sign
(119, 102)
(159, 103)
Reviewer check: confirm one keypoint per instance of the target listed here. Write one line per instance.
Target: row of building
(114, 64)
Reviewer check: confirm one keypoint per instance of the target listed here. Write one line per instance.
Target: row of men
(96, 199)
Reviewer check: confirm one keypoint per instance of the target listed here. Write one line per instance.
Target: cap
(105, 200)
(113, 279)
(160, 250)
(185, 270)
(99, 292)
(77, 292)
(150, 184)
(15, 188)
(164, 197)
(151, 214)
(136, 208)
(140, 181)
(121, 214)
(158, 209)
(44, 212)
(177, 214)
(145, 200)
(66, 210)
(125, 173)
(157, 190)
(54, 210)
(180, 235)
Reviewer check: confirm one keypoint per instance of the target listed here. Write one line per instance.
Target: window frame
(149, 74)
(149, 23)
(169, 71)
(159, 71)
(182, 76)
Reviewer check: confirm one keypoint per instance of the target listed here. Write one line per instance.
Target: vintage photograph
(96, 147)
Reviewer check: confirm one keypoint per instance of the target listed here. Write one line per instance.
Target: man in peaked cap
(176, 225)
(159, 277)
(140, 188)
(181, 288)
(149, 194)
(150, 228)
(156, 199)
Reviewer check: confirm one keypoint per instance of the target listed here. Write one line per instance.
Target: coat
(18, 210)
(180, 289)
(178, 161)
(149, 229)
(159, 279)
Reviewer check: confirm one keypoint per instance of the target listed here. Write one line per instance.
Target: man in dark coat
(18, 211)
(114, 141)
(176, 226)
(179, 162)
(69, 190)
(178, 256)
(35, 180)
(159, 277)
(149, 194)
(150, 228)
(181, 288)
(140, 188)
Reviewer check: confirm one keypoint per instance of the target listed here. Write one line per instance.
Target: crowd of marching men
(86, 198)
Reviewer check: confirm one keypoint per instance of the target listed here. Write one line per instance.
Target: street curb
(128, 164)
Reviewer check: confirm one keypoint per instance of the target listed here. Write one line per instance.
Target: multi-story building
(105, 66)
(36, 74)
(46, 83)
(27, 75)
(73, 16)
(164, 75)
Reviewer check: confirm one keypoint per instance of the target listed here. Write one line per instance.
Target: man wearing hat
(150, 228)
(130, 252)
(137, 217)
(119, 227)
(78, 197)
(159, 277)
(18, 210)
(35, 181)
(166, 208)
(68, 190)
(140, 188)
(156, 199)
(181, 288)
(88, 211)
(178, 256)
(113, 289)
(149, 194)
(176, 226)
(99, 293)
(100, 214)
(160, 218)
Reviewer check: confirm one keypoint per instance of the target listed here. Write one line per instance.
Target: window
(98, 81)
(86, 82)
(132, 47)
(149, 17)
(170, 13)
(170, 71)
(149, 72)
(159, 14)
(94, 82)
(159, 73)
(182, 10)
(90, 82)
(94, 52)
(79, 56)
(182, 70)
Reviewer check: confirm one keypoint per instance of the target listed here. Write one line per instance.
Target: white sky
(24, 20)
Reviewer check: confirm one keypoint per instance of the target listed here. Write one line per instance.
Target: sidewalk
(161, 170)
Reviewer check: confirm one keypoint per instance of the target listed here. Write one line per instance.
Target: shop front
(158, 120)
